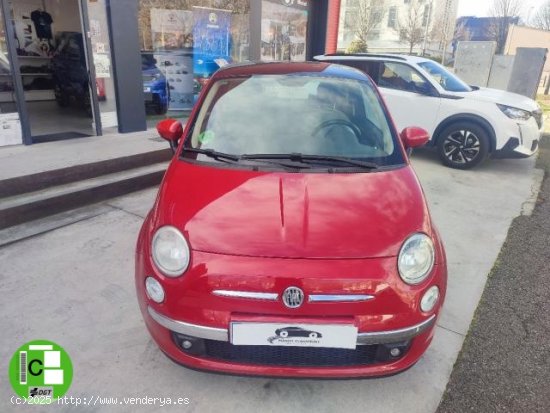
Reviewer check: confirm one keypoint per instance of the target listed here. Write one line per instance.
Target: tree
(412, 28)
(503, 12)
(442, 32)
(542, 18)
(366, 16)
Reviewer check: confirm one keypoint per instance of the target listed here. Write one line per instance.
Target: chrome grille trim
(252, 295)
(338, 298)
(393, 336)
(222, 334)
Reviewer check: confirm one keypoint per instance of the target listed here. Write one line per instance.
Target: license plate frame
(293, 334)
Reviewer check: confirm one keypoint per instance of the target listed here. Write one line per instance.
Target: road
(74, 286)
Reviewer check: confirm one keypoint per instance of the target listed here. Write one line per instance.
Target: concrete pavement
(74, 286)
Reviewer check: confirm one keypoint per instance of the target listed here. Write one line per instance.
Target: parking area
(75, 286)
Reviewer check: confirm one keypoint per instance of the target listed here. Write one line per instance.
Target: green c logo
(40, 368)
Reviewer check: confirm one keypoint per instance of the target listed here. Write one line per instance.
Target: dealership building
(73, 68)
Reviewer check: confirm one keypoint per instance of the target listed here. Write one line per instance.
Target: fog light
(429, 300)
(186, 344)
(395, 352)
(154, 290)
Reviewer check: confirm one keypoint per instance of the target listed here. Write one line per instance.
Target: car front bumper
(523, 142)
(367, 360)
(192, 312)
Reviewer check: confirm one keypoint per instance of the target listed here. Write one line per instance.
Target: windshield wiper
(213, 154)
(298, 157)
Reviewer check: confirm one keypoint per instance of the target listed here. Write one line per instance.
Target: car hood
(502, 97)
(292, 215)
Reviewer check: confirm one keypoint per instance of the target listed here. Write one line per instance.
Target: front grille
(538, 115)
(290, 356)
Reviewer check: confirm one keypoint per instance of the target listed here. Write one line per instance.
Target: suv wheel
(462, 145)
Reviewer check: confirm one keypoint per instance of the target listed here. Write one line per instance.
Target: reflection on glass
(183, 42)
(310, 115)
(99, 38)
(284, 31)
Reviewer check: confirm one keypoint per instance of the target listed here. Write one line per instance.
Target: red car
(291, 205)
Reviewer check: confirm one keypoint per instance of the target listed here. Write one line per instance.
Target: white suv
(466, 123)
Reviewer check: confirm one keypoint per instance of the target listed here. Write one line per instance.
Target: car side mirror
(171, 130)
(414, 137)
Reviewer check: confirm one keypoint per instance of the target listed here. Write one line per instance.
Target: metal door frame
(18, 91)
(85, 26)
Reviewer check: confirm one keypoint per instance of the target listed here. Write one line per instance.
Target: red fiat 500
(290, 236)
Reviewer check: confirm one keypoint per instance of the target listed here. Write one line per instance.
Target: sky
(480, 8)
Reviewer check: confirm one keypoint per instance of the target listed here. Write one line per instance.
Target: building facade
(71, 68)
(399, 26)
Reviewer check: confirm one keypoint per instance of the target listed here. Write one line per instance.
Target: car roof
(371, 56)
(286, 68)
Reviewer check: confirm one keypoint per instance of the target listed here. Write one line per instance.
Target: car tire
(313, 335)
(283, 334)
(463, 145)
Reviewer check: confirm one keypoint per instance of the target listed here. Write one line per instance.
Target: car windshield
(310, 117)
(446, 79)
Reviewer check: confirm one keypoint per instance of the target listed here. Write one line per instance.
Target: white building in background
(437, 19)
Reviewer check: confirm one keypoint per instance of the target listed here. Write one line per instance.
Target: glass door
(54, 76)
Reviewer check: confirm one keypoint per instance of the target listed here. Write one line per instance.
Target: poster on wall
(33, 29)
(102, 64)
(284, 30)
(169, 68)
(10, 129)
(212, 40)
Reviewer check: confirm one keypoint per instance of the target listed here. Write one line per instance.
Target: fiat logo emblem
(293, 297)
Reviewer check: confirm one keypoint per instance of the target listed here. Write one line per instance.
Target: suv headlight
(514, 113)
(170, 251)
(416, 258)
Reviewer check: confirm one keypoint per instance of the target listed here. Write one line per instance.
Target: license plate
(294, 335)
(146, 89)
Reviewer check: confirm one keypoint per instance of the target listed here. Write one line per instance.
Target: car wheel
(313, 335)
(463, 145)
(284, 334)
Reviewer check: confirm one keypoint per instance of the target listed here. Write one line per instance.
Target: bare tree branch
(368, 14)
(542, 18)
(502, 12)
(411, 28)
(442, 32)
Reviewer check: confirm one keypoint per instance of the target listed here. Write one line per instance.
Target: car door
(411, 98)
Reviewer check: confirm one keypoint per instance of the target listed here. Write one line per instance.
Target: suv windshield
(446, 79)
(315, 119)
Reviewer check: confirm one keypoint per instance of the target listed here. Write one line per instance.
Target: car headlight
(170, 251)
(514, 113)
(416, 259)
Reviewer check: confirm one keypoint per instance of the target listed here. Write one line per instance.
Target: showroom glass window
(284, 30)
(183, 42)
(10, 126)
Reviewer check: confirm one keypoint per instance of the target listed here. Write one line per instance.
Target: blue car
(155, 86)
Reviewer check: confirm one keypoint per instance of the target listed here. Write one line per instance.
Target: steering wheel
(336, 122)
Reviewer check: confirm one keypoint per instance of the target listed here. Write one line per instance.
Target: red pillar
(333, 19)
